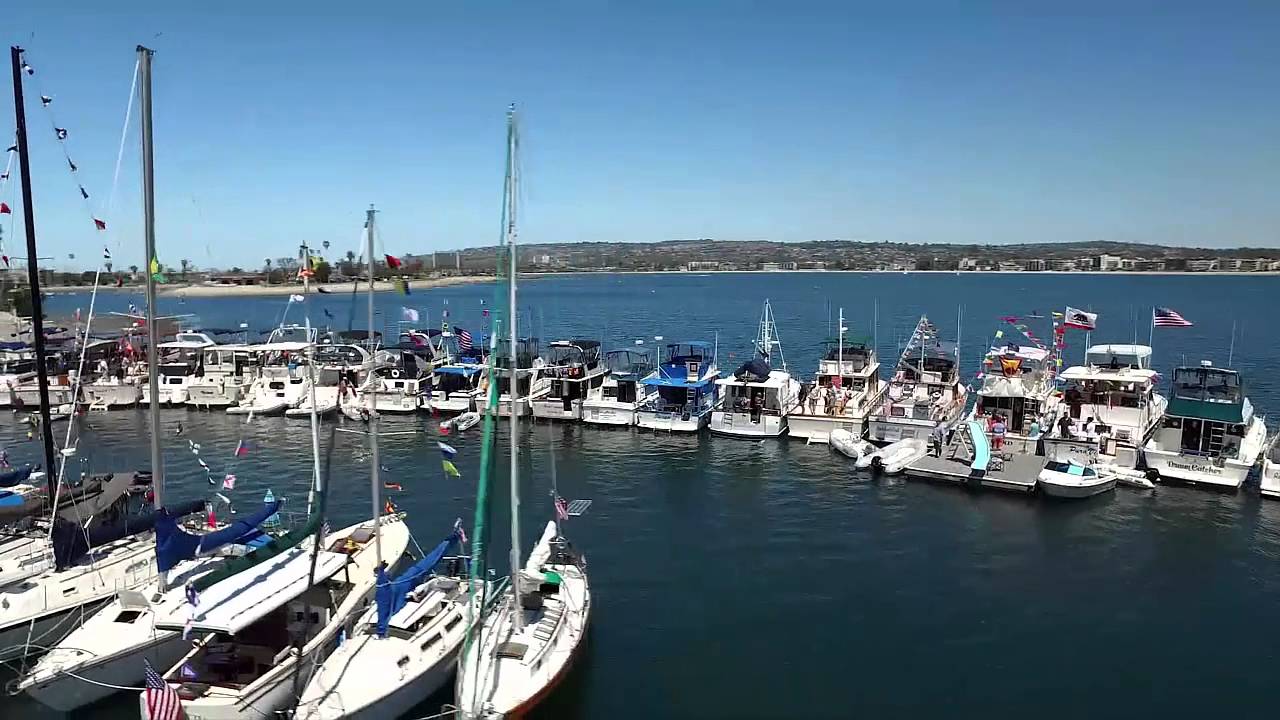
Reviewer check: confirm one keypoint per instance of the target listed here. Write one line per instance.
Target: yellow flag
(450, 469)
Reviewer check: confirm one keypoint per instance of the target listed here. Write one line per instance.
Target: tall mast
(149, 232)
(840, 348)
(311, 377)
(33, 272)
(373, 407)
(517, 616)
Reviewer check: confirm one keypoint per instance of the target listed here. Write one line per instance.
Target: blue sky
(278, 122)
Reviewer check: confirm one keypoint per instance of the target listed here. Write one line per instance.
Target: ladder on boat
(551, 614)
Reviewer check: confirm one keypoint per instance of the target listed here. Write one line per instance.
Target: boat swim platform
(1018, 472)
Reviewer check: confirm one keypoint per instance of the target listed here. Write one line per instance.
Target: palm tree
(186, 264)
(134, 270)
(351, 263)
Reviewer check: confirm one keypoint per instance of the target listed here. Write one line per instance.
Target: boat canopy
(464, 370)
(236, 602)
(71, 542)
(15, 346)
(358, 335)
(1117, 356)
(76, 502)
(344, 354)
(1122, 375)
(850, 349)
(691, 350)
(391, 595)
(173, 544)
(1029, 353)
(1209, 393)
(15, 477)
(628, 362)
(775, 380)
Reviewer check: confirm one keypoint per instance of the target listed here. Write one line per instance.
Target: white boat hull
(209, 395)
(671, 421)
(43, 630)
(603, 412)
(1270, 481)
(65, 693)
(1198, 470)
(1077, 490)
(850, 445)
(453, 404)
(818, 428)
(112, 395)
(740, 424)
(895, 458)
(549, 409)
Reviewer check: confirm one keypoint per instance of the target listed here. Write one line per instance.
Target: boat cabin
(574, 368)
(528, 362)
(1118, 401)
(849, 365)
(626, 369)
(1016, 383)
(763, 396)
(685, 379)
(1208, 414)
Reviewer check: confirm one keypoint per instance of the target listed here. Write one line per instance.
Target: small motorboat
(1073, 480)
(894, 458)
(850, 445)
(465, 421)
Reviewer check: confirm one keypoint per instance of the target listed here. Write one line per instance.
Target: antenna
(1231, 353)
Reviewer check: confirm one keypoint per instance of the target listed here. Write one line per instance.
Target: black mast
(33, 273)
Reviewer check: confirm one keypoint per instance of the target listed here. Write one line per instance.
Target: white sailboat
(758, 398)
(404, 649)
(925, 389)
(528, 639)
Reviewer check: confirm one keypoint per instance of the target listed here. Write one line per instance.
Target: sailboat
(528, 638)
(269, 620)
(758, 398)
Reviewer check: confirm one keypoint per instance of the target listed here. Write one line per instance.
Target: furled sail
(173, 544)
(71, 542)
(391, 595)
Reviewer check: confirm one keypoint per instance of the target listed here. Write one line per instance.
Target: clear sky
(280, 121)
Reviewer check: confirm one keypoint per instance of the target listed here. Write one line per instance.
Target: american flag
(562, 508)
(1164, 317)
(163, 702)
(464, 340)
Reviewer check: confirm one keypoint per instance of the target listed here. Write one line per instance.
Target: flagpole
(517, 614)
(1231, 353)
(1151, 333)
(311, 377)
(374, 479)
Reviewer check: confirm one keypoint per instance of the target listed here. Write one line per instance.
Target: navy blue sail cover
(15, 477)
(71, 542)
(392, 595)
(173, 544)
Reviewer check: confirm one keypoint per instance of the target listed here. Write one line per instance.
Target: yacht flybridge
(1018, 384)
(758, 398)
(1210, 434)
(684, 391)
(179, 364)
(623, 391)
(925, 389)
(575, 374)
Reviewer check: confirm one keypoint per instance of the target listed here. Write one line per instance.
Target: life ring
(395, 373)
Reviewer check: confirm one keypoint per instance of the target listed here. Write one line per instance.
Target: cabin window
(430, 641)
(128, 616)
(898, 411)
(452, 624)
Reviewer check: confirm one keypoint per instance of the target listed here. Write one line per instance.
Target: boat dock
(965, 462)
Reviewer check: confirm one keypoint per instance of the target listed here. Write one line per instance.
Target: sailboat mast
(149, 233)
(311, 377)
(517, 616)
(840, 347)
(33, 271)
(374, 470)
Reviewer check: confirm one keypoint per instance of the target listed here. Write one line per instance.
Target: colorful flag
(409, 314)
(457, 528)
(393, 261)
(100, 224)
(328, 314)
(162, 702)
(1080, 319)
(229, 482)
(389, 507)
(450, 469)
(999, 334)
(45, 100)
(392, 486)
(156, 269)
(61, 133)
(464, 339)
(4, 209)
(403, 287)
(297, 298)
(106, 253)
(72, 165)
(1164, 317)
(84, 193)
(242, 449)
(447, 450)
(562, 508)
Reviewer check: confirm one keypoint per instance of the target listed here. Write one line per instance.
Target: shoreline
(698, 273)
(202, 290)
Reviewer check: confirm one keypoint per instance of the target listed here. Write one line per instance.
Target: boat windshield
(1067, 468)
(1207, 384)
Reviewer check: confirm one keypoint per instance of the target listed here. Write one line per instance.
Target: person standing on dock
(938, 437)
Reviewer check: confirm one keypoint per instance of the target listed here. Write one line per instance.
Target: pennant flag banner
(457, 527)
(447, 450)
(450, 469)
(4, 209)
(45, 100)
(229, 482)
(297, 298)
(409, 314)
(242, 449)
(393, 261)
(156, 268)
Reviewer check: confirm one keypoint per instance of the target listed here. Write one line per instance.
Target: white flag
(297, 298)
(1080, 319)
(409, 314)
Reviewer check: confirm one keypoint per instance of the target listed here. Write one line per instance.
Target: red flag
(212, 521)
(4, 209)
(101, 225)
(6, 260)
(393, 261)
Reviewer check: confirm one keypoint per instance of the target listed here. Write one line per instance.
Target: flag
(157, 273)
(72, 165)
(4, 209)
(242, 449)
(1164, 317)
(162, 702)
(229, 482)
(392, 486)
(999, 334)
(213, 521)
(403, 287)
(297, 298)
(106, 253)
(223, 498)
(447, 451)
(409, 314)
(61, 133)
(328, 314)
(12, 148)
(84, 193)
(562, 508)
(45, 100)
(393, 261)
(464, 339)
(450, 469)
(28, 69)
(457, 528)
(1080, 319)
(389, 507)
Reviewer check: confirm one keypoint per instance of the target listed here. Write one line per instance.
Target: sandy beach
(211, 290)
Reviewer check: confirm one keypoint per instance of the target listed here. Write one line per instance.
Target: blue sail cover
(173, 544)
(391, 595)
(15, 477)
(71, 542)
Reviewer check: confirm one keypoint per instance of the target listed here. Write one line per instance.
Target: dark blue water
(743, 580)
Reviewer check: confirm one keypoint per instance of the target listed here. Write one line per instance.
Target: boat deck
(1017, 473)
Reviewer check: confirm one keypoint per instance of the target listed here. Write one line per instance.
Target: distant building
(702, 266)
(1150, 265)
(1034, 265)
(770, 267)
(1064, 265)
(1108, 262)
(813, 265)
(788, 266)
(1010, 266)
(541, 259)
(967, 263)
(1202, 265)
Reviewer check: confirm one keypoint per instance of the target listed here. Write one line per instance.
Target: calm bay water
(737, 579)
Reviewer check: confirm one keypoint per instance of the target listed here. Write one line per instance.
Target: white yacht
(684, 389)
(1018, 384)
(531, 381)
(400, 387)
(402, 651)
(757, 397)
(1073, 479)
(925, 389)
(622, 392)
(459, 385)
(227, 372)
(179, 364)
(1112, 408)
(282, 380)
(1210, 434)
(845, 391)
(17, 366)
(108, 384)
(1270, 480)
(61, 389)
(245, 662)
(339, 371)
(576, 374)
